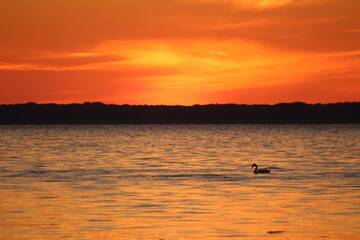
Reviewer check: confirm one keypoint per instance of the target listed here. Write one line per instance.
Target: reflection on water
(179, 182)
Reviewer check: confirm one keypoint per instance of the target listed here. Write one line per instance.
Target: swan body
(259, 170)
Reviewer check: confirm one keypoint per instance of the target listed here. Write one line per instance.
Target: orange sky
(179, 51)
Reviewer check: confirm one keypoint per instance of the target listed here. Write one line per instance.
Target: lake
(179, 182)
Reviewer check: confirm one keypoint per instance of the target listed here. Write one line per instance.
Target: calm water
(179, 182)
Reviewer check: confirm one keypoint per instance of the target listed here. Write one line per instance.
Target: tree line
(99, 113)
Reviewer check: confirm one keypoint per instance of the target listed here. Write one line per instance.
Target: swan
(259, 170)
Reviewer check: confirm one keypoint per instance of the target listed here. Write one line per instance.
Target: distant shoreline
(99, 113)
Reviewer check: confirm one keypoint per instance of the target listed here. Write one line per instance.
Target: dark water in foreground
(179, 182)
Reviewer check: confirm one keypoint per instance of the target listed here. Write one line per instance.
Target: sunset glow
(179, 51)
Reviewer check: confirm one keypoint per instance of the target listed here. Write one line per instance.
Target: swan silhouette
(259, 170)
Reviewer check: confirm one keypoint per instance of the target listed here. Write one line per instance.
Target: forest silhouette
(99, 113)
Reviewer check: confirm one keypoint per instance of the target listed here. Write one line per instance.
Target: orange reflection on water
(160, 191)
(151, 209)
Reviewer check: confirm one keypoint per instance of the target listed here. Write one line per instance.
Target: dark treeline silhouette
(99, 113)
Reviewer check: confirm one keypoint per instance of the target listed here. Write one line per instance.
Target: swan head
(254, 165)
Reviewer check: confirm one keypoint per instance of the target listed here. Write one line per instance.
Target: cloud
(172, 72)
(181, 50)
(80, 25)
(54, 61)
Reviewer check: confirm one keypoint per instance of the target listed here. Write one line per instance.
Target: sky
(179, 51)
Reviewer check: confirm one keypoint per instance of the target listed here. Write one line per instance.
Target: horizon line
(179, 105)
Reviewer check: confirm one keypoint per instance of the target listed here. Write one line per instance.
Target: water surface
(179, 182)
